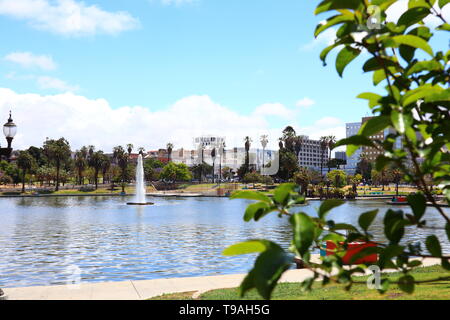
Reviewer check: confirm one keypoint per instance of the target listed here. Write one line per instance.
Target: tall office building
(352, 161)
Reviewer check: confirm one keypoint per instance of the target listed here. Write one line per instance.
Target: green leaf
(374, 126)
(250, 195)
(327, 206)
(378, 76)
(444, 27)
(418, 204)
(413, 16)
(409, 40)
(328, 5)
(256, 211)
(394, 226)
(354, 142)
(443, 3)
(344, 57)
(282, 194)
(433, 246)
(366, 219)
(421, 92)
(252, 246)
(303, 227)
(331, 22)
(268, 269)
(420, 66)
(343, 226)
(373, 98)
(406, 284)
(445, 263)
(400, 121)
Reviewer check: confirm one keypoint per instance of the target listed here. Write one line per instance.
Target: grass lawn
(292, 291)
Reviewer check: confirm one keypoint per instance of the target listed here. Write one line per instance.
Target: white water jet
(140, 182)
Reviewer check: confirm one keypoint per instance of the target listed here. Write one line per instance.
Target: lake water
(46, 241)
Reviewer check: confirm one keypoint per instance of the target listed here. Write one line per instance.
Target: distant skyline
(152, 71)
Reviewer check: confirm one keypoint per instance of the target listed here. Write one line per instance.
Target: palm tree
(25, 162)
(213, 156)
(248, 143)
(57, 151)
(130, 148)
(298, 143)
(106, 164)
(169, 151)
(331, 142)
(80, 164)
(396, 177)
(96, 162)
(323, 147)
(121, 157)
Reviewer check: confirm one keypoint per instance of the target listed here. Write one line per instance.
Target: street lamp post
(264, 142)
(9, 130)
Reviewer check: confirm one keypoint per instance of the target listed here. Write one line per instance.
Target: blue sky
(240, 54)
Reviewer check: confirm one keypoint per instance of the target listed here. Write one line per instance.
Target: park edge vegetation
(416, 105)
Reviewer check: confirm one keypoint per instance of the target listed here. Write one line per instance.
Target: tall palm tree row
(57, 151)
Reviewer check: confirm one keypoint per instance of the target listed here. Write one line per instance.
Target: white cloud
(86, 121)
(325, 127)
(305, 103)
(325, 38)
(30, 60)
(177, 2)
(68, 17)
(45, 82)
(273, 110)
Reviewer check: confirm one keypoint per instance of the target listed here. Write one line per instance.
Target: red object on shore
(354, 248)
(401, 199)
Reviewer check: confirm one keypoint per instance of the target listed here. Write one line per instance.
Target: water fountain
(139, 199)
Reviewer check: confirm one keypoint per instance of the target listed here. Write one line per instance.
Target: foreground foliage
(413, 111)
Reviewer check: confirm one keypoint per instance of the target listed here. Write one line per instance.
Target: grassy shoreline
(292, 291)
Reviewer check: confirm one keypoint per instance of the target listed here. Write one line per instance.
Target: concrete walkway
(136, 290)
(144, 289)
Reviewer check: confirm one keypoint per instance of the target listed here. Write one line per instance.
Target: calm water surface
(43, 241)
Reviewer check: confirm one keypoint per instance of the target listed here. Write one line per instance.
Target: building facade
(312, 156)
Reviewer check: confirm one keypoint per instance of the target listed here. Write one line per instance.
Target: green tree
(26, 163)
(288, 165)
(58, 152)
(303, 178)
(415, 108)
(337, 177)
(252, 177)
(174, 172)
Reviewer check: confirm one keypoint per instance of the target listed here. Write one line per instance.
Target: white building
(312, 156)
